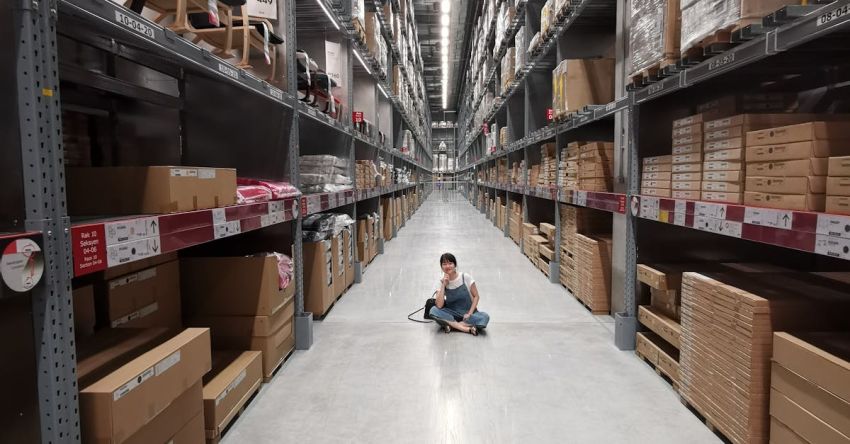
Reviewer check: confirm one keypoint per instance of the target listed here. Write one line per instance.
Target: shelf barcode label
(134, 24)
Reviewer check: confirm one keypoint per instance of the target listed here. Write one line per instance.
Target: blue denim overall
(457, 303)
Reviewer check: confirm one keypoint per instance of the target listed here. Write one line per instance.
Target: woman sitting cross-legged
(457, 300)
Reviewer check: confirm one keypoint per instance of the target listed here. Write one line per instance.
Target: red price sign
(303, 207)
(357, 116)
(621, 204)
(550, 114)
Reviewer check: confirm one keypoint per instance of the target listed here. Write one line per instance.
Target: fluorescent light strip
(327, 13)
(357, 53)
(383, 91)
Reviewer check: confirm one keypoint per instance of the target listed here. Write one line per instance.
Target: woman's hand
(445, 280)
(466, 316)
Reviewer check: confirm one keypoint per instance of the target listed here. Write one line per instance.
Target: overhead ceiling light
(327, 13)
(446, 5)
(357, 53)
(444, 33)
(444, 20)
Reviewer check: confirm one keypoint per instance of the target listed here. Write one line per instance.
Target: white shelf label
(276, 93)
(132, 251)
(831, 225)
(833, 15)
(716, 211)
(649, 207)
(131, 230)
(275, 206)
(134, 24)
(227, 229)
(718, 226)
(265, 220)
(228, 70)
(218, 216)
(832, 246)
(768, 218)
(680, 219)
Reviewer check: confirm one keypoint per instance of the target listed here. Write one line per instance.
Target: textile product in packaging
(702, 18)
(654, 34)
(278, 189)
(246, 194)
(508, 67)
(521, 50)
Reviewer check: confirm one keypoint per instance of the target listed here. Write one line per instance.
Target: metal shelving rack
(783, 44)
(34, 202)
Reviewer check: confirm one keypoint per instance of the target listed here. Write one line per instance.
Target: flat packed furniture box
(94, 191)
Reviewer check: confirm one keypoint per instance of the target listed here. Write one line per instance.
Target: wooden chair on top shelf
(180, 10)
(256, 33)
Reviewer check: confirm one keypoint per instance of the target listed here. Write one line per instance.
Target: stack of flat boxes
(789, 164)
(593, 271)
(728, 321)
(651, 166)
(809, 393)
(575, 221)
(549, 165)
(502, 170)
(364, 174)
(504, 139)
(838, 185)
(515, 223)
(546, 250)
(515, 175)
(569, 166)
(596, 166)
(533, 175)
(528, 247)
(686, 171)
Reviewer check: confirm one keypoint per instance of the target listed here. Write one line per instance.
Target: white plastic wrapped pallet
(702, 18)
(654, 34)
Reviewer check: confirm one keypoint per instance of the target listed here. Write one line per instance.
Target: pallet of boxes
(728, 321)
(596, 166)
(546, 246)
(568, 170)
(548, 173)
(515, 221)
(655, 176)
(585, 255)
(838, 184)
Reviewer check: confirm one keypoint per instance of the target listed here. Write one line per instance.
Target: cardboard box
(655, 184)
(147, 298)
(588, 82)
(680, 131)
(211, 286)
(687, 168)
(234, 377)
(734, 154)
(680, 194)
(659, 192)
(820, 358)
(797, 150)
(191, 433)
(658, 168)
(687, 186)
(781, 434)
(275, 347)
(725, 133)
(838, 186)
(723, 176)
(722, 165)
(822, 404)
(686, 177)
(138, 265)
(666, 176)
(177, 416)
(725, 144)
(318, 279)
(687, 121)
(839, 166)
(799, 202)
(789, 168)
(800, 133)
(687, 158)
(658, 322)
(760, 121)
(246, 325)
(349, 258)
(713, 196)
(120, 404)
(338, 265)
(657, 160)
(838, 204)
(148, 190)
(726, 187)
(802, 422)
(687, 140)
(84, 315)
(687, 149)
(110, 348)
(788, 185)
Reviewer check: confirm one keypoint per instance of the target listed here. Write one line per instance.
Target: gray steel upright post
(40, 126)
(626, 321)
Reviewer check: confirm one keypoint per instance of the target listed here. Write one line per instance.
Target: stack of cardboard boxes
(549, 166)
(569, 167)
(516, 171)
(504, 137)
(596, 166)
(728, 324)
(652, 166)
(508, 65)
(838, 185)
(546, 247)
(364, 174)
(685, 178)
(529, 247)
(809, 394)
(260, 319)
(593, 271)
(577, 83)
(502, 170)
(798, 180)
(375, 43)
(575, 221)
(515, 221)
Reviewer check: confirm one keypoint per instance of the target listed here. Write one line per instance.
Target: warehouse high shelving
(152, 97)
(773, 53)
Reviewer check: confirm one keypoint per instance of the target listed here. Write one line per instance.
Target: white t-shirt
(461, 279)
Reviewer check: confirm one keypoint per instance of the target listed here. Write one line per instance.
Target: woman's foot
(472, 330)
(447, 329)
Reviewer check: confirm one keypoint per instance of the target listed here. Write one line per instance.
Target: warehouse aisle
(545, 371)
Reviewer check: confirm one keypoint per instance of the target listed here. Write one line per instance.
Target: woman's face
(447, 267)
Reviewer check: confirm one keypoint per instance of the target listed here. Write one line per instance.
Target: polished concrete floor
(545, 371)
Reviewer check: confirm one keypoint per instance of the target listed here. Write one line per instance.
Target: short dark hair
(448, 257)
